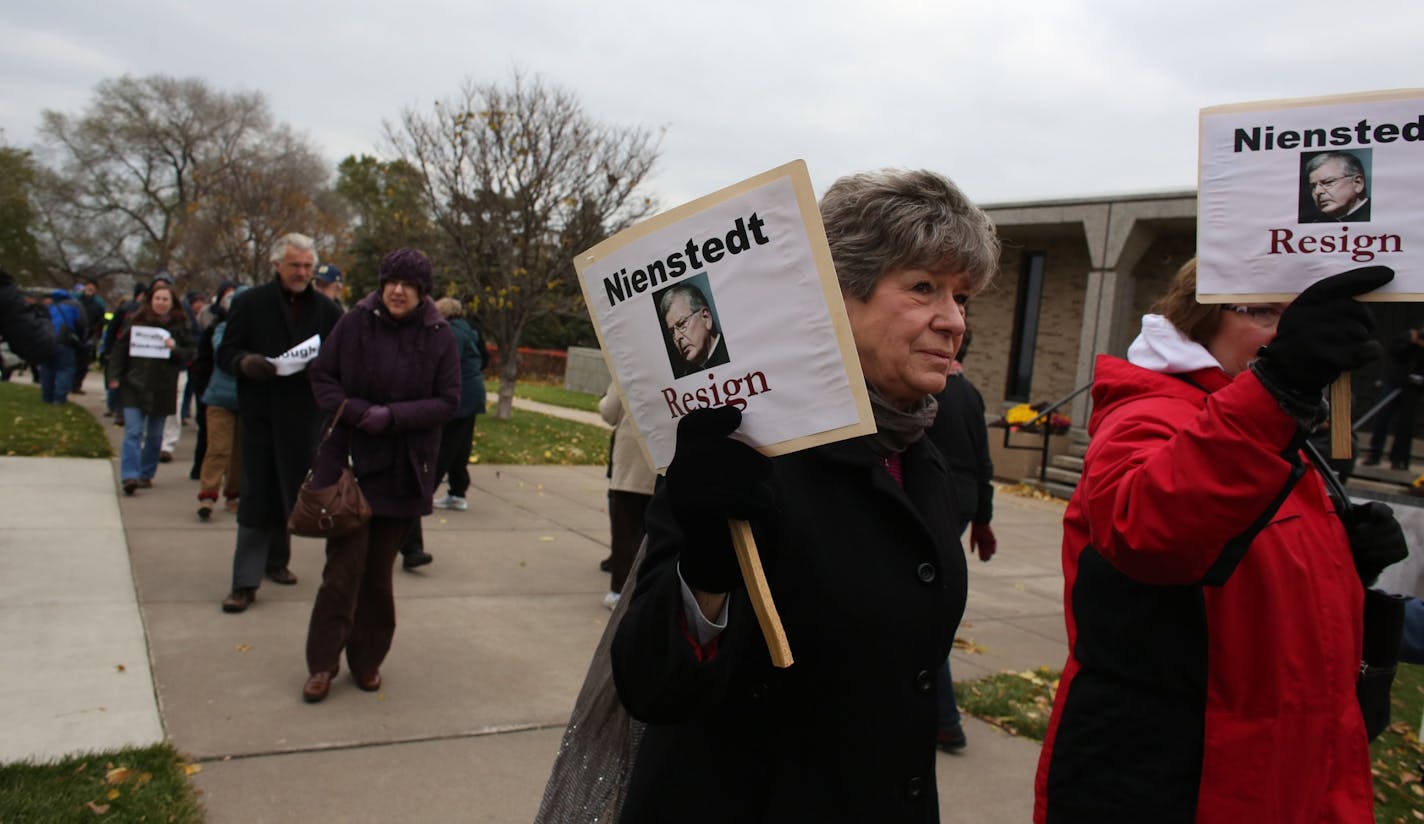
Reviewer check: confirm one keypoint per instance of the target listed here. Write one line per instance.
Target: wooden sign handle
(1340, 447)
(750, 561)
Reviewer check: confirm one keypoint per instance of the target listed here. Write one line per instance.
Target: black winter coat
(870, 583)
(151, 384)
(962, 437)
(280, 421)
(29, 336)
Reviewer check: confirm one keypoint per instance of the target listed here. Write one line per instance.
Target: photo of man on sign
(1335, 187)
(695, 340)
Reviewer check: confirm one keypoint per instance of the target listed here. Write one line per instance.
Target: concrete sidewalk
(493, 643)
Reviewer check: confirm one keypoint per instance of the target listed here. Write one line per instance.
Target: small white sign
(730, 300)
(1293, 191)
(149, 342)
(296, 359)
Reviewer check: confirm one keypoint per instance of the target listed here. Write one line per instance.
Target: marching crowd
(1226, 647)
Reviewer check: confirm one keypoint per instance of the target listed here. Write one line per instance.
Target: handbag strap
(334, 420)
(316, 453)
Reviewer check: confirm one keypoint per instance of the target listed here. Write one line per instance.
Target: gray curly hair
(902, 219)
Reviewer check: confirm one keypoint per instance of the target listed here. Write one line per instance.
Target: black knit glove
(1322, 333)
(713, 478)
(1376, 539)
(256, 368)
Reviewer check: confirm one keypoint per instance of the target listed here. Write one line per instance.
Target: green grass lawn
(1397, 754)
(531, 438)
(545, 393)
(30, 427)
(147, 784)
(1021, 702)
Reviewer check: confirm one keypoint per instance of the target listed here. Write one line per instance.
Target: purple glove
(377, 419)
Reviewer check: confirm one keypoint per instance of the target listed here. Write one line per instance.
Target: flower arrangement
(1028, 418)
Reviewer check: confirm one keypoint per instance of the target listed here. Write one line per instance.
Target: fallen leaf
(546, 538)
(114, 794)
(967, 645)
(120, 668)
(117, 775)
(96, 809)
(81, 768)
(192, 769)
(244, 647)
(144, 778)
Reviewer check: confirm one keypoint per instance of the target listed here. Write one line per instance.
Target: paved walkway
(493, 643)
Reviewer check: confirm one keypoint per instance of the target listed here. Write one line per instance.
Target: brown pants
(223, 456)
(355, 607)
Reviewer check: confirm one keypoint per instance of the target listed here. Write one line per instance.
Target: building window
(1025, 337)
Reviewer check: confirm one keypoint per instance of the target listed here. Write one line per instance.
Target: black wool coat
(870, 583)
(279, 417)
(151, 384)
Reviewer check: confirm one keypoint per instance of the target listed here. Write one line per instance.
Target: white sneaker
(610, 600)
(452, 502)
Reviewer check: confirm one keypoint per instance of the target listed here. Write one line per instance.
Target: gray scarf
(896, 429)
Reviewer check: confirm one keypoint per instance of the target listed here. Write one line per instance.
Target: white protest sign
(730, 300)
(149, 342)
(296, 359)
(1293, 191)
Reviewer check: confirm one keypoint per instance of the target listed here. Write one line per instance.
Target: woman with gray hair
(859, 547)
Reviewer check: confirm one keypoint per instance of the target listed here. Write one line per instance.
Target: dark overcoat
(409, 366)
(151, 384)
(279, 417)
(869, 579)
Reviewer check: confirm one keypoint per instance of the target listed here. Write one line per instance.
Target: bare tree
(518, 179)
(162, 173)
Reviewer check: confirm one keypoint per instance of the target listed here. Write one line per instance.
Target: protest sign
(149, 342)
(730, 300)
(1293, 191)
(296, 359)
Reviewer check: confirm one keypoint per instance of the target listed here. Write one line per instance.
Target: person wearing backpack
(68, 326)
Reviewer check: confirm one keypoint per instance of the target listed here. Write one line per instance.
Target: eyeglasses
(1328, 183)
(679, 327)
(1263, 316)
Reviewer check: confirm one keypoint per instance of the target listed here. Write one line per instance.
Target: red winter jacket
(1207, 680)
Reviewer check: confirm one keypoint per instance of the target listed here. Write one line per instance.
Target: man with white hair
(278, 416)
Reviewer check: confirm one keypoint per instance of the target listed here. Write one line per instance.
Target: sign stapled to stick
(731, 300)
(1293, 191)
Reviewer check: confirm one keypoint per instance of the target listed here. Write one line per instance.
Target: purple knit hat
(409, 265)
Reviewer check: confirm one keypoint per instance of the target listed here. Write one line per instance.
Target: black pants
(456, 438)
(626, 519)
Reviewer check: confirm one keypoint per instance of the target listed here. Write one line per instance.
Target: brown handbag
(329, 511)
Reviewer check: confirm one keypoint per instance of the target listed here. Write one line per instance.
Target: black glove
(1376, 539)
(713, 478)
(257, 368)
(1322, 333)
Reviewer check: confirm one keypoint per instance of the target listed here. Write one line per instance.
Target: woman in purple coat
(392, 361)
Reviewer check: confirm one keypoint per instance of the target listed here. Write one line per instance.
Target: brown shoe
(165, 457)
(317, 686)
(369, 683)
(145, 483)
(130, 484)
(282, 576)
(239, 599)
(232, 505)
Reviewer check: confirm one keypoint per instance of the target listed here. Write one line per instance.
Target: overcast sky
(1013, 100)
